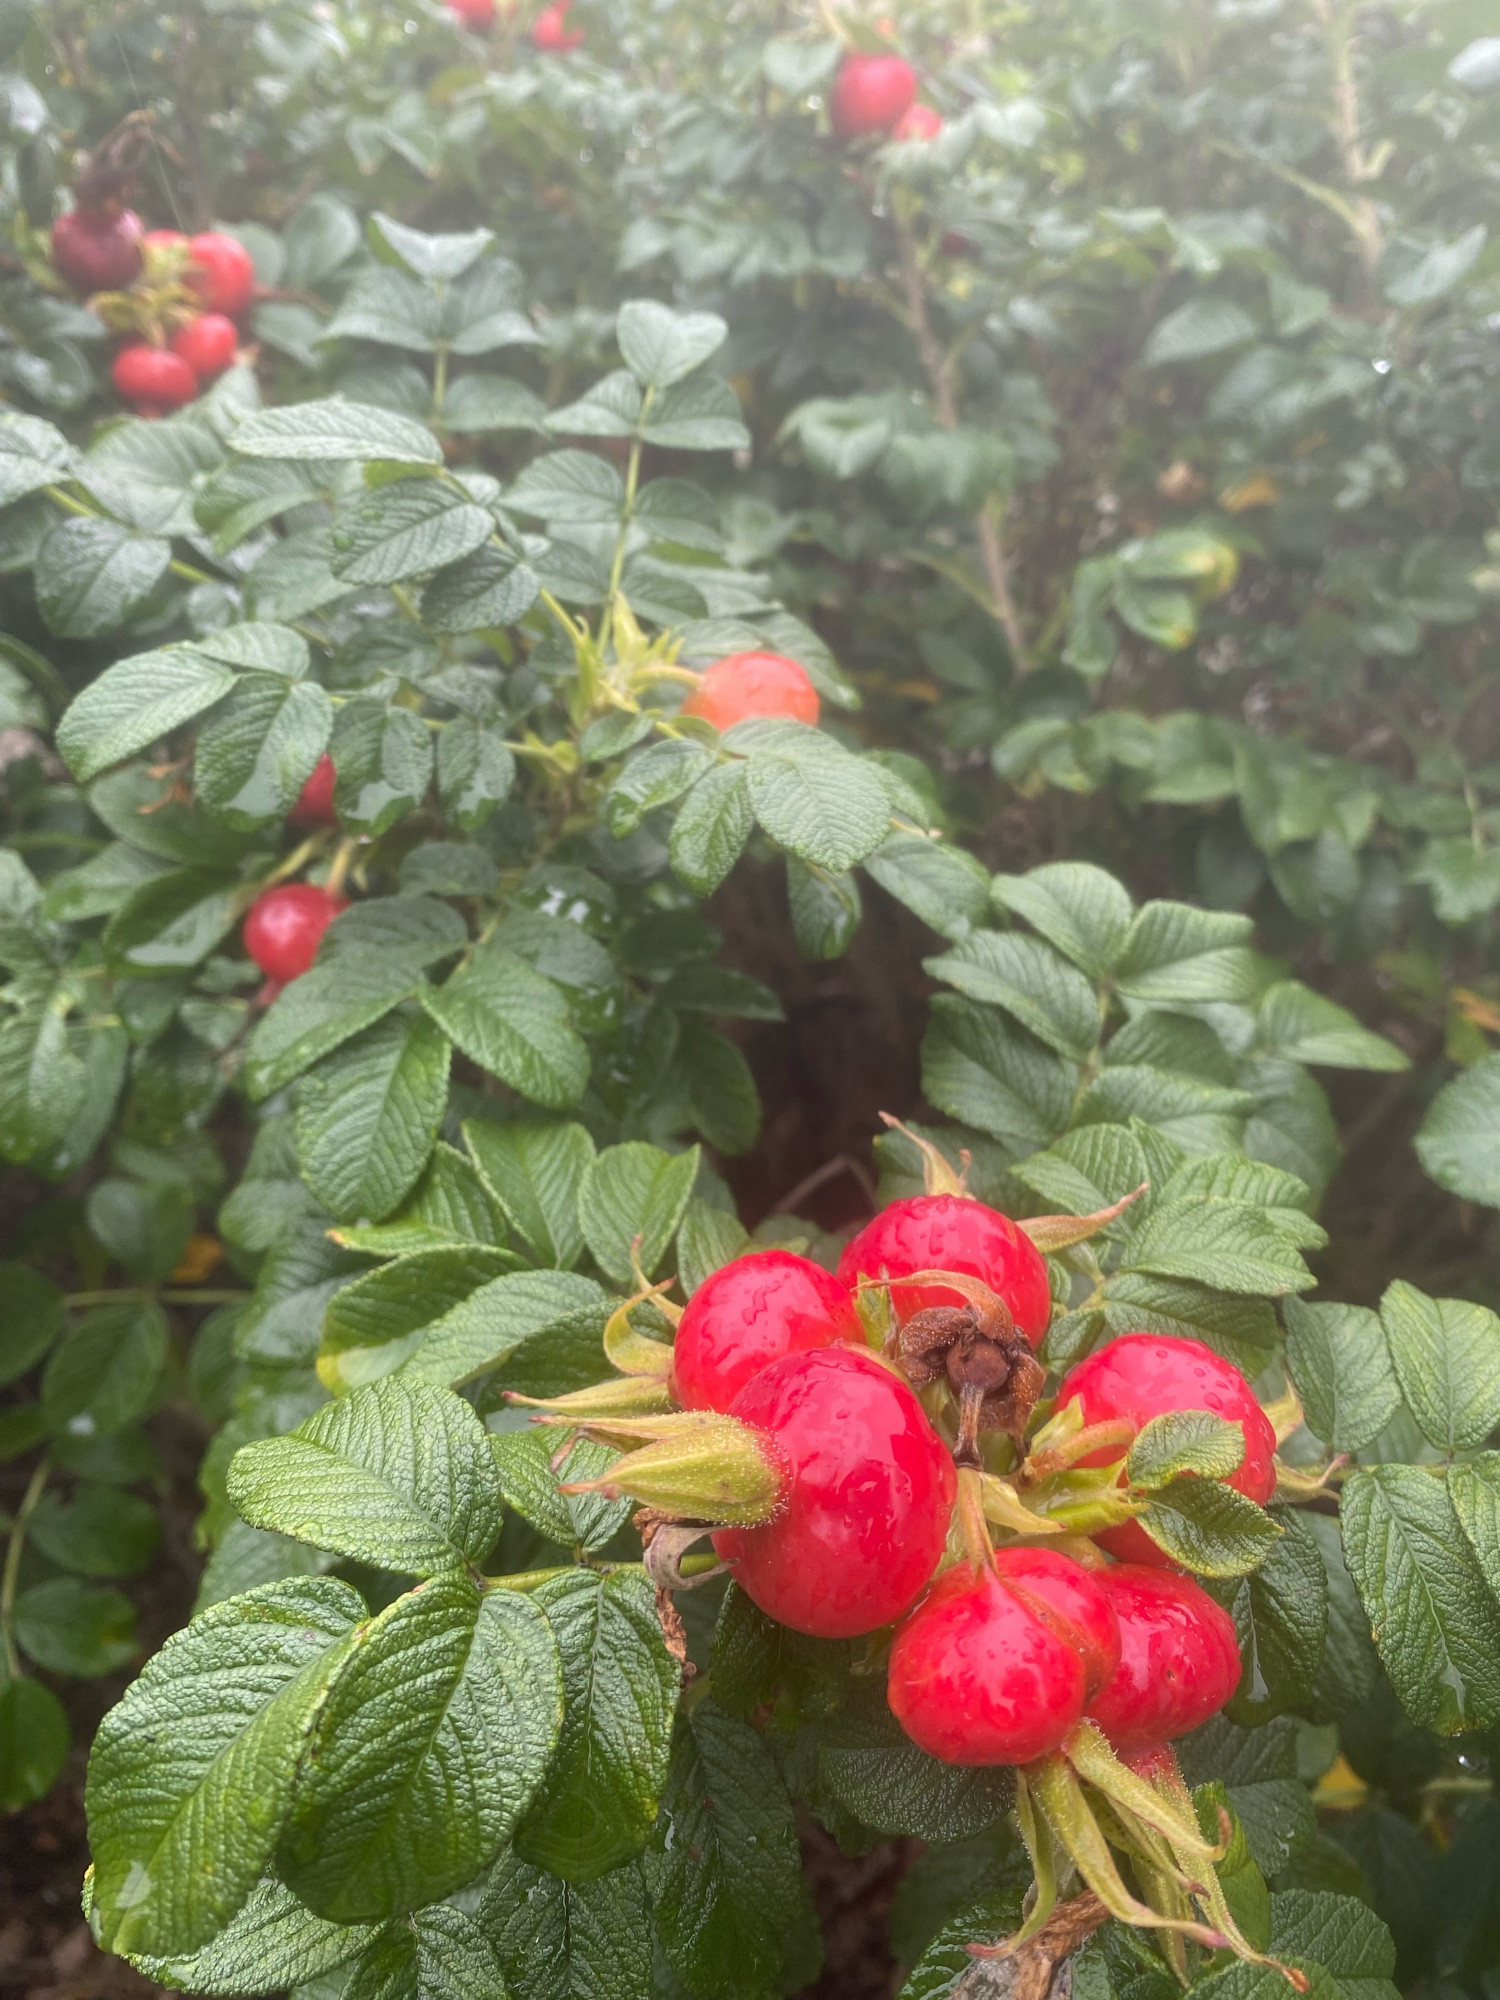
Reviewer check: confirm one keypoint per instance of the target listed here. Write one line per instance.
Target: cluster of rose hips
(877, 95)
(183, 292)
(285, 924)
(550, 32)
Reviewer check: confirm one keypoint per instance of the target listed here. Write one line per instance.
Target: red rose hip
(153, 378)
(867, 1495)
(97, 250)
(995, 1664)
(550, 31)
(474, 14)
(314, 805)
(208, 344)
(948, 1232)
(220, 272)
(747, 685)
(920, 122)
(870, 94)
(1143, 1375)
(749, 1314)
(1179, 1658)
(285, 926)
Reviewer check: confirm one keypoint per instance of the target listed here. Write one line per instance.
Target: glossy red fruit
(1143, 1375)
(220, 272)
(1179, 1657)
(871, 94)
(476, 14)
(920, 122)
(208, 344)
(744, 685)
(153, 378)
(550, 31)
(947, 1232)
(96, 250)
(869, 1492)
(285, 927)
(994, 1665)
(314, 805)
(749, 1314)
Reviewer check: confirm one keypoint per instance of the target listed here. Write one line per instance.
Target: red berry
(286, 925)
(1143, 1375)
(220, 273)
(869, 1491)
(752, 684)
(920, 122)
(550, 31)
(314, 805)
(474, 14)
(994, 1665)
(153, 378)
(208, 344)
(871, 94)
(1179, 1657)
(948, 1232)
(750, 1313)
(97, 251)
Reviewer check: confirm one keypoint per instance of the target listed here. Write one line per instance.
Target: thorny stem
(940, 375)
(13, 1553)
(1338, 29)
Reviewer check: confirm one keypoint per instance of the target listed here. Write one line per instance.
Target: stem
(439, 380)
(13, 1555)
(1338, 31)
(940, 375)
(972, 1524)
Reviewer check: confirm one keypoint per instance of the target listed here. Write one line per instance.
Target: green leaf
(192, 1772)
(397, 1474)
(43, 1084)
(1435, 1623)
(946, 1958)
(31, 1318)
(98, 1531)
(603, 1790)
(75, 1628)
(1201, 327)
(1031, 982)
(272, 649)
(1259, 1770)
(1294, 1022)
(812, 797)
(272, 1945)
(254, 756)
(825, 909)
(1174, 953)
(368, 1115)
(173, 922)
(1209, 1528)
(721, 1089)
(1340, 1933)
(1182, 1441)
(94, 575)
(104, 1373)
(1438, 271)
(429, 1745)
(702, 414)
(383, 758)
(1459, 1139)
(631, 1191)
(440, 257)
(437, 1954)
(323, 1009)
(335, 429)
(489, 588)
(247, 1557)
(889, 1785)
(514, 1023)
(532, 1487)
(34, 1734)
(560, 1940)
(946, 887)
(533, 1173)
(1446, 1354)
(576, 487)
(408, 529)
(727, 1889)
(1223, 1244)
(1089, 1169)
(711, 828)
(660, 346)
(1342, 1370)
(653, 777)
(1474, 1489)
(477, 403)
(134, 703)
(1081, 910)
(1349, 1668)
(33, 454)
(977, 1067)
(1281, 1616)
(707, 1239)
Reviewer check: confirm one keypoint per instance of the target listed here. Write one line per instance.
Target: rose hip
(208, 344)
(285, 926)
(948, 1232)
(750, 1313)
(96, 249)
(745, 685)
(153, 379)
(1179, 1657)
(870, 94)
(314, 805)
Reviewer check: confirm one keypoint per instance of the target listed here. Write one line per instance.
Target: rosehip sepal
(695, 1465)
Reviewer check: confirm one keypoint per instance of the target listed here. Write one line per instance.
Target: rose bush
(587, 458)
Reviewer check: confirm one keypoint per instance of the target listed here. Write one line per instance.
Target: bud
(696, 1466)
